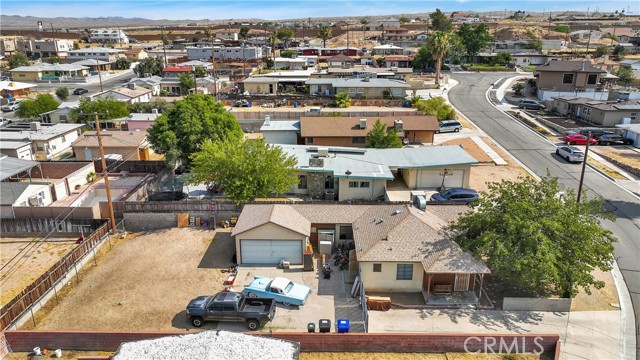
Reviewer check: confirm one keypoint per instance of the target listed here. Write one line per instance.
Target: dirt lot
(487, 171)
(621, 153)
(144, 283)
(26, 259)
(599, 299)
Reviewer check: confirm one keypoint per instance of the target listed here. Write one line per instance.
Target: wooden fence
(22, 302)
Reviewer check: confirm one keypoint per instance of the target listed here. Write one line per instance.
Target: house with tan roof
(132, 145)
(136, 54)
(130, 94)
(352, 132)
(396, 248)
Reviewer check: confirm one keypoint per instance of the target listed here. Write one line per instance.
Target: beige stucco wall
(375, 190)
(548, 80)
(268, 231)
(296, 190)
(260, 88)
(25, 76)
(385, 281)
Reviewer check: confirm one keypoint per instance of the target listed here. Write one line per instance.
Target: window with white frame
(377, 267)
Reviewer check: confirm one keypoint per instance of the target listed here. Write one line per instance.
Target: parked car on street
(280, 289)
(530, 104)
(80, 91)
(231, 306)
(11, 106)
(610, 139)
(449, 126)
(578, 139)
(570, 153)
(456, 195)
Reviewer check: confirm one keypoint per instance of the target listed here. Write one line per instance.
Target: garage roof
(253, 216)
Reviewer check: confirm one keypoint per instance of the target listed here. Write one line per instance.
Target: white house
(61, 114)
(280, 132)
(585, 34)
(48, 141)
(225, 53)
(109, 35)
(130, 94)
(97, 53)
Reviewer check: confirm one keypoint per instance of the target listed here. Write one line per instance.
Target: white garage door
(270, 251)
(433, 179)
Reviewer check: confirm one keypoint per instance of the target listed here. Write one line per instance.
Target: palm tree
(438, 44)
(165, 41)
(324, 34)
(207, 32)
(364, 22)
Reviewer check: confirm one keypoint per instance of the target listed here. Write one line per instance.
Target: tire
(253, 324)
(197, 321)
(456, 130)
(572, 143)
(557, 152)
(605, 143)
(567, 158)
(252, 295)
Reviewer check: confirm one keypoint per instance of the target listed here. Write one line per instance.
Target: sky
(286, 9)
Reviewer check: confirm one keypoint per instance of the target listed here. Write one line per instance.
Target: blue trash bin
(343, 326)
(295, 104)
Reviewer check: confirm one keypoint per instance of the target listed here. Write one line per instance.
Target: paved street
(537, 154)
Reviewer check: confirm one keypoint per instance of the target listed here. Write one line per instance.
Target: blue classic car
(280, 289)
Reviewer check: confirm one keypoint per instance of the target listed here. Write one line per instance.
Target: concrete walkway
(584, 334)
(487, 149)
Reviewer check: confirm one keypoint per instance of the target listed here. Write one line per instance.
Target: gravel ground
(34, 260)
(143, 283)
(211, 345)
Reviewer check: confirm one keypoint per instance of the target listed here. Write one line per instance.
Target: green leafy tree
(325, 33)
(422, 59)
(152, 65)
(518, 87)
(200, 72)
(438, 44)
(76, 45)
(187, 83)
(161, 105)
(535, 44)
(563, 29)
(244, 32)
(537, 241)
(17, 59)
(404, 19)
(381, 138)
(184, 127)
(436, 106)
(624, 75)
(53, 60)
(62, 93)
(123, 63)
(503, 58)
(107, 109)
(207, 32)
(32, 108)
(285, 36)
(343, 100)
(270, 63)
(601, 51)
(474, 38)
(288, 53)
(440, 21)
(619, 51)
(380, 61)
(245, 170)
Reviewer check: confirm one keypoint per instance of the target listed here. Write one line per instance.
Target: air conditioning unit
(36, 200)
(323, 152)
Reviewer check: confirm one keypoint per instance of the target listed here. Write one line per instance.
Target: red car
(578, 139)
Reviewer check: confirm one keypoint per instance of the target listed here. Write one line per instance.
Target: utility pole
(195, 80)
(584, 165)
(105, 174)
(164, 46)
(99, 74)
(588, 44)
(215, 76)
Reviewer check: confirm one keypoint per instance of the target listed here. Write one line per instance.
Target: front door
(462, 282)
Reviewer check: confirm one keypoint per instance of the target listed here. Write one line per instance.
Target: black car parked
(80, 91)
(609, 139)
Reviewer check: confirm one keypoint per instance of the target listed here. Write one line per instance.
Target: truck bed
(257, 305)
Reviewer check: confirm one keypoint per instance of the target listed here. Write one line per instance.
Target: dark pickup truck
(231, 306)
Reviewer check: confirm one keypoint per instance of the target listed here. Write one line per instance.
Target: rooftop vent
(363, 123)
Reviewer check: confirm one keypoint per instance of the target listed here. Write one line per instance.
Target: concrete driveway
(329, 299)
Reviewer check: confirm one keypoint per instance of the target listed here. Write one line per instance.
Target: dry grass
(34, 260)
(607, 170)
(66, 354)
(627, 156)
(143, 283)
(599, 299)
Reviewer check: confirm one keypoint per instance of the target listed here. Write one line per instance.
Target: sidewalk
(583, 334)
